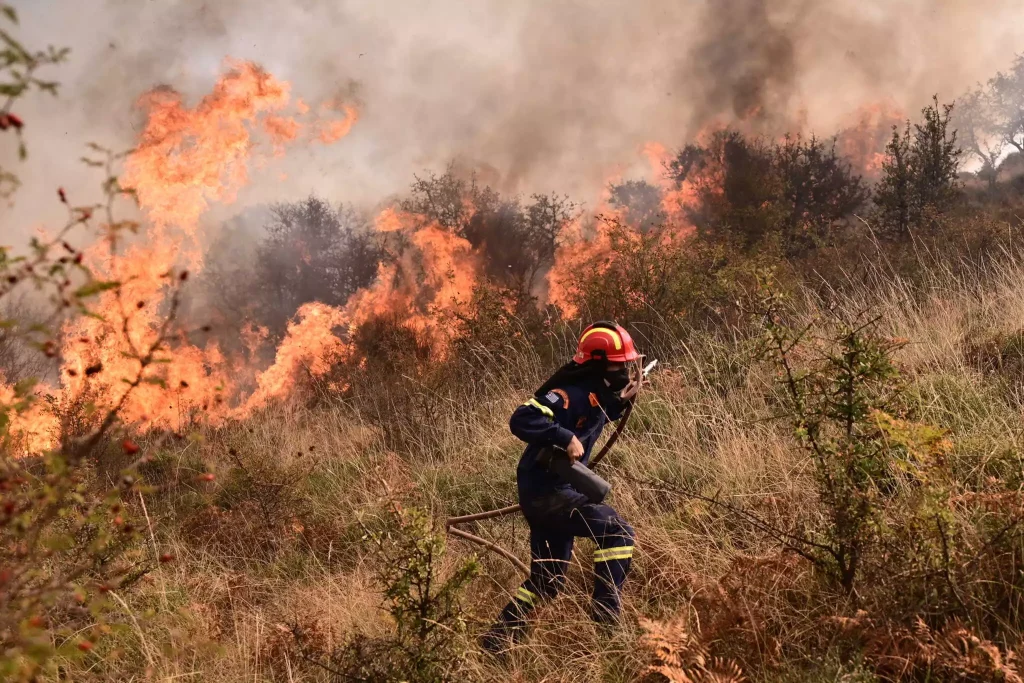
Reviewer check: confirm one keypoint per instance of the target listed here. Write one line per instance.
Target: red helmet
(605, 341)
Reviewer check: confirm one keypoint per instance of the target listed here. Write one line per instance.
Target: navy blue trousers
(554, 524)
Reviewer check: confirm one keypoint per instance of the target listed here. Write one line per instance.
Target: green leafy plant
(425, 607)
(18, 68)
(835, 388)
(68, 539)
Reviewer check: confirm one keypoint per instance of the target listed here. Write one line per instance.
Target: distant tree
(312, 252)
(518, 242)
(639, 202)
(732, 179)
(448, 199)
(819, 189)
(227, 283)
(1012, 168)
(755, 192)
(894, 195)
(937, 156)
(919, 176)
(978, 131)
(1007, 103)
(546, 216)
(990, 119)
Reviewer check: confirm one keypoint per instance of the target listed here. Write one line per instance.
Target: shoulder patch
(554, 395)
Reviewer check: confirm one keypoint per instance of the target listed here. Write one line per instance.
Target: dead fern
(678, 656)
(952, 653)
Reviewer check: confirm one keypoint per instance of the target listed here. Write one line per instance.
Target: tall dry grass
(251, 560)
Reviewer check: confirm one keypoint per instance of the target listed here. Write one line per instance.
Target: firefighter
(568, 412)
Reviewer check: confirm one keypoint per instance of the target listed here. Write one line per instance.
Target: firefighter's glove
(574, 449)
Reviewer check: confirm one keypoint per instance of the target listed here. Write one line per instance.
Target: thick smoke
(753, 58)
(538, 95)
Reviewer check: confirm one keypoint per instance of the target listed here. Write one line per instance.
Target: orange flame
(436, 275)
(186, 160)
(392, 220)
(310, 345)
(577, 254)
(674, 200)
(32, 430)
(281, 130)
(863, 142)
(586, 245)
(332, 131)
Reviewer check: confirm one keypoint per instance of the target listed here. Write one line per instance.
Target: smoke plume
(538, 96)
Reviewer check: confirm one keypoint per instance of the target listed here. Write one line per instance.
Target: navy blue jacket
(552, 420)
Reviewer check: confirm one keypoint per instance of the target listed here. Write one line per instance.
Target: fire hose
(451, 522)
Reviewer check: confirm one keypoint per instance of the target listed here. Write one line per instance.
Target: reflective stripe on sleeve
(608, 554)
(541, 407)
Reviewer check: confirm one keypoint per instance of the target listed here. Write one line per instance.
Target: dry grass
(218, 611)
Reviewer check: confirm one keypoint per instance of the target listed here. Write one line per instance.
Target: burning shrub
(655, 283)
(492, 334)
(448, 199)
(519, 243)
(516, 242)
(644, 278)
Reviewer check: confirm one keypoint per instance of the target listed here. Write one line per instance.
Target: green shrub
(425, 608)
(839, 399)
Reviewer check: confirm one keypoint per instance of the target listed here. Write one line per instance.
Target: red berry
(130, 447)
